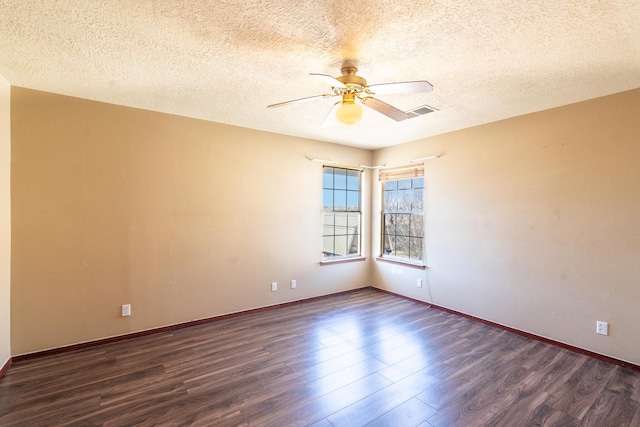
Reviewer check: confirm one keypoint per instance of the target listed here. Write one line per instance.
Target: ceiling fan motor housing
(350, 79)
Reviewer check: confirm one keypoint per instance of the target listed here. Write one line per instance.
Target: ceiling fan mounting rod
(349, 71)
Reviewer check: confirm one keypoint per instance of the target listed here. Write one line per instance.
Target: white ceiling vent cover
(420, 111)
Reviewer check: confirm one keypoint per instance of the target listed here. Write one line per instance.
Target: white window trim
(351, 257)
(403, 172)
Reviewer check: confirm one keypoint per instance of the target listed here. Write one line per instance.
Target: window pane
(340, 179)
(404, 184)
(404, 200)
(417, 226)
(387, 245)
(328, 222)
(327, 200)
(402, 226)
(391, 200)
(327, 177)
(415, 248)
(354, 221)
(341, 246)
(340, 224)
(340, 200)
(354, 233)
(354, 247)
(390, 224)
(416, 199)
(328, 247)
(402, 246)
(353, 200)
(390, 185)
(353, 180)
(418, 182)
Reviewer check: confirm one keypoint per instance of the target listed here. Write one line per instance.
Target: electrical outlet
(602, 328)
(274, 286)
(126, 310)
(293, 284)
(419, 283)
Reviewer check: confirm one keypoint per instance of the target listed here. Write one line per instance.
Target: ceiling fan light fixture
(349, 112)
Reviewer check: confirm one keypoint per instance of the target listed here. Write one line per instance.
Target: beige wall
(183, 219)
(5, 222)
(531, 222)
(534, 223)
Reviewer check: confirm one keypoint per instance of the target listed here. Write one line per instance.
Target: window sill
(342, 260)
(402, 262)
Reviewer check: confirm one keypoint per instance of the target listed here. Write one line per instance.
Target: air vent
(420, 111)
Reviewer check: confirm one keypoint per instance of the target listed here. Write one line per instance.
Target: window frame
(345, 211)
(398, 175)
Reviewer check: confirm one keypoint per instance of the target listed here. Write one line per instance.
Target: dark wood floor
(363, 358)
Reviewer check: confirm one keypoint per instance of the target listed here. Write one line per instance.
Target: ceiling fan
(350, 88)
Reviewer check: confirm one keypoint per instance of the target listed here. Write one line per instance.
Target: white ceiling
(226, 60)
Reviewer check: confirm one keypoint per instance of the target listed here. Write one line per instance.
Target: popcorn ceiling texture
(225, 61)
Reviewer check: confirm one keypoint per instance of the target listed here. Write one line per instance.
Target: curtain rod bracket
(423, 158)
(311, 159)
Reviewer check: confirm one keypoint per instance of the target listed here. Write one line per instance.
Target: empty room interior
(326, 213)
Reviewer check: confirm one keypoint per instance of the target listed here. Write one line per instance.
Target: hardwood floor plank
(625, 383)
(52, 414)
(322, 423)
(64, 390)
(483, 396)
(234, 419)
(576, 396)
(409, 414)
(610, 410)
(382, 401)
(557, 371)
(406, 367)
(545, 415)
(137, 408)
(329, 403)
(522, 408)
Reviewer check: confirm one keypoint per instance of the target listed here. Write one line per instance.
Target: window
(403, 213)
(341, 212)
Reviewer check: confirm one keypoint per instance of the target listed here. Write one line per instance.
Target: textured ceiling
(225, 61)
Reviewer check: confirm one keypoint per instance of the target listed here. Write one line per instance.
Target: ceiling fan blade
(293, 101)
(402, 87)
(384, 108)
(330, 119)
(329, 80)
